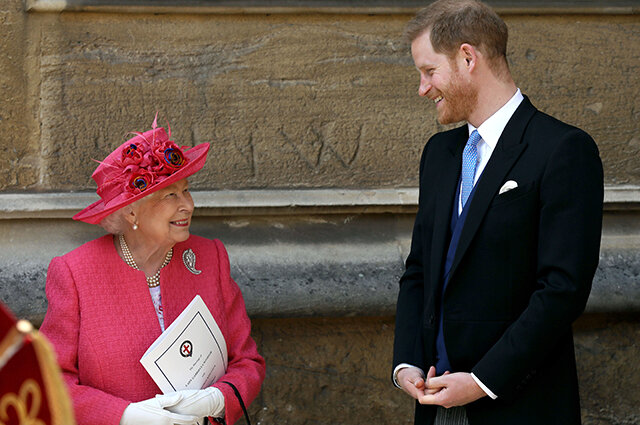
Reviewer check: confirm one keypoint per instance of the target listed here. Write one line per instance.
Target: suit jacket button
(432, 319)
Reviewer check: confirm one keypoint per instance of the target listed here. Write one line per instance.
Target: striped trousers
(452, 416)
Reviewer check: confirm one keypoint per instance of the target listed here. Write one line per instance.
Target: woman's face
(164, 218)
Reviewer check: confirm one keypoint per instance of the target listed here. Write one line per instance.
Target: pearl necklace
(152, 281)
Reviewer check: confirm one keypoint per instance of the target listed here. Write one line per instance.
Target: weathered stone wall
(18, 162)
(289, 100)
(333, 371)
(306, 101)
(329, 371)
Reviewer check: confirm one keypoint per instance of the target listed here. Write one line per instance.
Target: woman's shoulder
(84, 258)
(96, 247)
(200, 242)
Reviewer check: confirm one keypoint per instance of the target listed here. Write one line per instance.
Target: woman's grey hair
(116, 222)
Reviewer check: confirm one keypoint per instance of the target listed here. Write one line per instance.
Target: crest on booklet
(186, 349)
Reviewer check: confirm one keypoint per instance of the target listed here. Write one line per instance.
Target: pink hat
(139, 167)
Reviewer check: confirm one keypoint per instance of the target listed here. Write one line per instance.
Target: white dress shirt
(490, 131)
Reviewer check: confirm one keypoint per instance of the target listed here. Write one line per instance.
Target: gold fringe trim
(55, 389)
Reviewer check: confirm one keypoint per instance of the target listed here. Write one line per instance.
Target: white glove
(153, 412)
(200, 403)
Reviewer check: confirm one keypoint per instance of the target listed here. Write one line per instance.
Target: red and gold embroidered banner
(31, 388)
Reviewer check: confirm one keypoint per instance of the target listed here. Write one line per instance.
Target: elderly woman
(112, 297)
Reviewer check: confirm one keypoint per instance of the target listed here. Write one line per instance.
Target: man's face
(443, 81)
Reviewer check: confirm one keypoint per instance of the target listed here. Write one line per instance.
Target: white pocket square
(508, 186)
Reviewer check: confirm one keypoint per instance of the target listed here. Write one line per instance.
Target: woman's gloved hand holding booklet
(190, 354)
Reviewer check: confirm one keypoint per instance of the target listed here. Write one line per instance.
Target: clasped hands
(184, 407)
(446, 390)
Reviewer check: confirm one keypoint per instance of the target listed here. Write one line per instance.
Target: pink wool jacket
(101, 320)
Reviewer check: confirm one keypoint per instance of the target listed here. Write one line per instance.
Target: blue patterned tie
(469, 163)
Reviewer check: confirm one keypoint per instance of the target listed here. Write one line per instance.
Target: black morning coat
(521, 274)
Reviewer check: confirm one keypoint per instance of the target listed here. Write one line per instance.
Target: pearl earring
(135, 226)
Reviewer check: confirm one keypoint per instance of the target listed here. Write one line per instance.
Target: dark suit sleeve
(569, 230)
(409, 308)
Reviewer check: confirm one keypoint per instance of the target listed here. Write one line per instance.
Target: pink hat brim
(95, 212)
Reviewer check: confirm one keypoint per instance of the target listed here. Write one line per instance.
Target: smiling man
(505, 242)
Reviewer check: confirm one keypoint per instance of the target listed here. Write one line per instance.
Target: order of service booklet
(190, 354)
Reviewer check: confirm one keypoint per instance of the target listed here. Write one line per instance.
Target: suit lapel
(445, 192)
(508, 150)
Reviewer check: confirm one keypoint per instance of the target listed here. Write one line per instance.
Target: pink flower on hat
(140, 181)
(131, 154)
(169, 156)
(147, 160)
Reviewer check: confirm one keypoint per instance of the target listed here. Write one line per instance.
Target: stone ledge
(295, 253)
(268, 202)
(354, 287)
(299, 266)
(622, 197)
(224, 203)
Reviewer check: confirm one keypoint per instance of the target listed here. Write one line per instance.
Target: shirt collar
(491, 129)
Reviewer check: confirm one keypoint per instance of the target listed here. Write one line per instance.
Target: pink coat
(101, 320)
